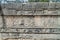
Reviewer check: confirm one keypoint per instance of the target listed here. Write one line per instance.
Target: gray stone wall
(30, 21)
(39, 8)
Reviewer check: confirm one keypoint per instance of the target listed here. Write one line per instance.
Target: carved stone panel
(46, 21)
(32, 21)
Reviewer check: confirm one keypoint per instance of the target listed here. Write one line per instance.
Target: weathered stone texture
(1, 22)
(32, 12)
(34, 36)
(46, 22)
(43, 8)
(58, 5)
(22, 21)
(30, 21)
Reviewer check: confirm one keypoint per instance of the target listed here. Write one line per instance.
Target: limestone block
(41, 5)
(9, 21)
(10, 5)
(11, 30)
(14, 6)
(45, 5)
(45, 22)
(24, 12)
(33, 31)
(45, 12)
(4, 5)
(38, 13)
(12, 22)
(52, 5)
(58, 11)
(19, 13)
(39, 31)
(21, 21)
(13, 35)
(19, 6)
(50, 12)
(58, 20)
(5, 11)
(53, 12)
(9, 12)
(1, 22)
(41, 36)
(58, 5)
(27, 6)
(28, 21)
(8, 30)
(38, 21)
(43, 8)
(32, 36)
(32, 22)
(31, 6)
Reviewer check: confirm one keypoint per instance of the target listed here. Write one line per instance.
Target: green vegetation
(38, 0)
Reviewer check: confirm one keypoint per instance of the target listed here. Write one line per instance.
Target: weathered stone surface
(43, 8)
(12, 6)
(32, 36)
(29, 39)
(46, 22)
(52, 36)
(52, 5)
(58, 11)
(58, 5)
(9, 12)
(32, 30)
(1, 22)
(32, 12)
(51, 12)
(20, 22)
(38, 13)
(31, 5)
(32, 21)
(25, 13)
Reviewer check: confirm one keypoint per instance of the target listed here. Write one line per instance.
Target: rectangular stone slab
(31, 5)
(32, 21)
(31, 12)
(16, 6)
(31, 30)
(31, 36)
